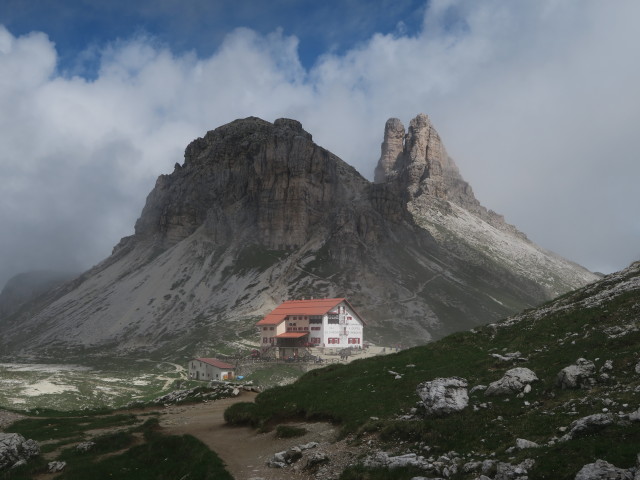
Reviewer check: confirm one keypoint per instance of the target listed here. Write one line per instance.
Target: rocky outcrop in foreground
(443, 395)
(601, 470)
(15, 450)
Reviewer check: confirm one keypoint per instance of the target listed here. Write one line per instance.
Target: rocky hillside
(26, 287)
(552, 393)
(258, 213)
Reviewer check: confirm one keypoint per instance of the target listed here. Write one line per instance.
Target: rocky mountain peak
(265, 182)
(392, 148)
(419, 163)
(418, 166)
(258, 213)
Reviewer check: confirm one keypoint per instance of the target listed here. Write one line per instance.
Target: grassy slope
(352, 394)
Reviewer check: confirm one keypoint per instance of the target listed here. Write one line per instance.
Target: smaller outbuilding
(208, 369)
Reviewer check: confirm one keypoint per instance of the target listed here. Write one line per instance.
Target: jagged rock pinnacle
(391, 149)
(420, 169)
(418, 160)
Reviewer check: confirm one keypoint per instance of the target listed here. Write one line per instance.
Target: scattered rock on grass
(315, 459)
(513, 381)
(292, 455)
(14, 448)
(588, 424)
(507, 471)
(578, 375)
(522, 443)
(56, 466)
(85, 446)
(509, 357)
(603, 470)
(443, 395)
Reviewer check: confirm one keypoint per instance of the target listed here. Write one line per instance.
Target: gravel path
(245, 452)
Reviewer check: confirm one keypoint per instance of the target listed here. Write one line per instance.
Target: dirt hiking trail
(246, 452)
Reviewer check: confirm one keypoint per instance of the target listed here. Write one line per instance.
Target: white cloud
(536, 101)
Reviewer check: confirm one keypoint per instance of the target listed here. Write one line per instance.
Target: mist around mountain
(257, 214)
(550, 393)
(24, 288)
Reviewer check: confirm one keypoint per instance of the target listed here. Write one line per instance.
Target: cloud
(536, 102)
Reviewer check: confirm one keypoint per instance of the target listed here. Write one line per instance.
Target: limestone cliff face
(254, 182)
(417, 165)
(258, 213)
(392, 149)
(251, 180)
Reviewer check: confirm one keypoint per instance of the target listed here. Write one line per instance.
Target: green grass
(289, 431)
(98, 384)
(164, 457)
(139, 452)
(272, 375)
(110, 442)
(365, 397)
(41, 429)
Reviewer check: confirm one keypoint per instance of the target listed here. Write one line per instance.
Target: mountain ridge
(257, 213)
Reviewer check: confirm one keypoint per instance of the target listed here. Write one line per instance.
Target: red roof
(300, 307)
(292, 335)
(216, 363)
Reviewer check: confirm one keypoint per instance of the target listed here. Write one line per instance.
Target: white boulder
(15, 448)
(443, 395)
(522, 443)
(578, 375)
(513, 381)
(603, 470)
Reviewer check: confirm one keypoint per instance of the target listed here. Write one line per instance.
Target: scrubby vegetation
(137, 450)
(48, 428)
(288, 431)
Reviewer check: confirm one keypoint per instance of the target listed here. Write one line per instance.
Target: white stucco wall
(349, 327)
(203, 371)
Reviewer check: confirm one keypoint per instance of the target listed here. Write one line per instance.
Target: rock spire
(423, 172)
(392, 148)
(418, 160)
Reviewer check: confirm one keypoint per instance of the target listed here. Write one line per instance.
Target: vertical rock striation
(392, 149)
(443, 203)
(421, 168)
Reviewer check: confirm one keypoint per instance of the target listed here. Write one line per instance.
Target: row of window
(316, 340)
(335, 341)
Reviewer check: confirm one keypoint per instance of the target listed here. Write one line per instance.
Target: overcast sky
(537, 101)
